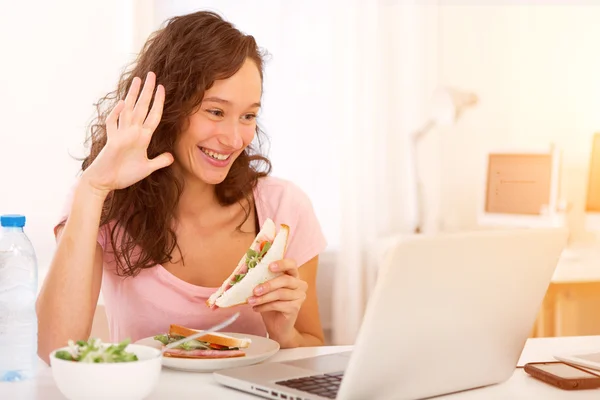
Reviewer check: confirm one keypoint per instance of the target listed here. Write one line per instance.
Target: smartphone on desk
(564, 376)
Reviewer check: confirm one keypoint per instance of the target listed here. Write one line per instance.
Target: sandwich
(211, 345)
(253, 269)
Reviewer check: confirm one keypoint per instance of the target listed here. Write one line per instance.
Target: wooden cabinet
(570, 309)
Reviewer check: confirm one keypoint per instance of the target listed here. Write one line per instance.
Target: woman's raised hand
(129, 127)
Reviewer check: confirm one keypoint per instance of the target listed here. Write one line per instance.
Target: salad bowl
(96, 370)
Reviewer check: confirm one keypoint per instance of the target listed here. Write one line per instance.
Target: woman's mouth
(214, 158)
(215, 155)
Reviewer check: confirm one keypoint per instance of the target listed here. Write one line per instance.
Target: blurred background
(396, 117)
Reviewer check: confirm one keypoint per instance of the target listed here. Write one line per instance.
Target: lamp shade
(448, 104)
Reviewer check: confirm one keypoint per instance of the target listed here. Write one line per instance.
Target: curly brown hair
(187, 55)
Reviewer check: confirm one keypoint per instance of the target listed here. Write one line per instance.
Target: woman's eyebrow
(223, 101)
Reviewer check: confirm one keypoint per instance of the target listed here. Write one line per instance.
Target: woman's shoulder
(286, 203)
(281, 193)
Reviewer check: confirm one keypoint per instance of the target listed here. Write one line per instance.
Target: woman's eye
(216, 113)
(250, 117)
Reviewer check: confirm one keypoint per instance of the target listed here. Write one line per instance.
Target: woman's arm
(308, 324)
(67, 300)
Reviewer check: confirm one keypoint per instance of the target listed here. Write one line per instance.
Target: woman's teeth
(214, 155)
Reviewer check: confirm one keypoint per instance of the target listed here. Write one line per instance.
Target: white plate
(259, 350)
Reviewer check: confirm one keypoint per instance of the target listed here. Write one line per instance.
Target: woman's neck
(197, 200)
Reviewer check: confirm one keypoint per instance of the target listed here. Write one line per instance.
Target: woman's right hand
(129, 127)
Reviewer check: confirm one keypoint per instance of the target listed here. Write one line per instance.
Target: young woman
(171, 196)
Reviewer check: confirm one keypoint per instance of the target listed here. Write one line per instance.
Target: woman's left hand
(279, 301)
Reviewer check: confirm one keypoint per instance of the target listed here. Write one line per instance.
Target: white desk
(181, 385)
(579, 263)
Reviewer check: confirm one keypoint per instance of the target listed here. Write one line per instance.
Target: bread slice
(214, 338)
(240, 292)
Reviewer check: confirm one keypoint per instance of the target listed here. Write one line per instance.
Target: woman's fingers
(161, 161)
(283, 294)
(157, 108)
(113, 117)
(288, 308)
(282, 281)
(140, 110)
(130, 101)
(135, 110)
(286, 265)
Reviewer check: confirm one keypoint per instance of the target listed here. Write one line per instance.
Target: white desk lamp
(447, 106)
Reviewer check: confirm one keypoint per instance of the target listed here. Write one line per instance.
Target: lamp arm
(420, 133)
(416, 138)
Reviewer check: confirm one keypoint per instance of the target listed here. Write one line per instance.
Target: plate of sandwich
(213, 351)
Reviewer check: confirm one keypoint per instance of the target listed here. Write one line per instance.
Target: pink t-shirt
(145, 305)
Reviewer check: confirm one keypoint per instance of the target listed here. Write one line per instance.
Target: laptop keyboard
(326, 385)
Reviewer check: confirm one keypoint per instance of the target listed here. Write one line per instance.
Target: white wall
(536, 70)
(57, 58)
(413, 75)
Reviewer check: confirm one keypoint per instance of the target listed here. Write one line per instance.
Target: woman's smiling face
(223, 126)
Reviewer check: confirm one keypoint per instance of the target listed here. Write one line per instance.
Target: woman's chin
(212, 178)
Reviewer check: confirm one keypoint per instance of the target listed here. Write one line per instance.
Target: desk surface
(175, 384)
(578, 264)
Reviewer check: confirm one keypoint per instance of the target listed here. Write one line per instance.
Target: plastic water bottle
(18, 290)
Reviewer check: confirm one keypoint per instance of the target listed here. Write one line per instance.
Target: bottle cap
(12, 220)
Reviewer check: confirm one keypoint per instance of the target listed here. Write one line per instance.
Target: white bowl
(133, 380)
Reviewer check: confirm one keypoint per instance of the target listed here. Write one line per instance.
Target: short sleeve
(66, 210)
(306, 236)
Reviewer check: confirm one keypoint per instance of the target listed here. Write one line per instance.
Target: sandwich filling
(197, 349)
(253, 257)
(253, 268)
(191, 344)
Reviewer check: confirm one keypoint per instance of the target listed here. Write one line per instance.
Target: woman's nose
(231, 136)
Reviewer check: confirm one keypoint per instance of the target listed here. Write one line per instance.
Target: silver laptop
(448, 313)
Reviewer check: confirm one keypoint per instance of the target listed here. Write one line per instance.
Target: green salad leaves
(94, 351)
(191, 344)
(253, 257)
